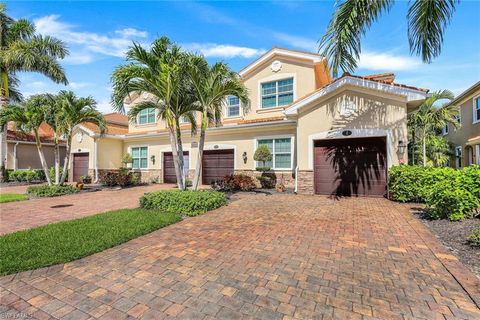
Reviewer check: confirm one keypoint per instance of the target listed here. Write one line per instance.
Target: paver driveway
(15, 216)
(267, 257)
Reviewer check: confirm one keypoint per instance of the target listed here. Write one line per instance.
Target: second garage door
(80, 166)
(169, 175)
(351, 167)
(216, 164)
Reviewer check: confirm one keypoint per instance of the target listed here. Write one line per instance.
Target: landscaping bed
(453, 236)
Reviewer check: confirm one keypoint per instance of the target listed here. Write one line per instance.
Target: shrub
(474, 238)
(234, 182)
(51, 173)
(122, 177)
(190, 203)
(267, 181)
(454, 203)
(27, 175)
(262, 154)
(86, 179)
(51, 191)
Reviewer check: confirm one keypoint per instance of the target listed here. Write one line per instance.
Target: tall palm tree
(212, 85)
(427, 21)
(28, 116)
(160, 72)
(21, 50)
(429, 118)
(72, 111)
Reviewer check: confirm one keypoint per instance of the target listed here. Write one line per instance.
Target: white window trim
(445, 130)
(474, 110)
(477, 153)
(138, 124)
(148, 156)
(239, 109)
(292, 145)
(276, 77)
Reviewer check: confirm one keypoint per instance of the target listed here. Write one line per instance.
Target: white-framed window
(140, 157)
(445, 129)
(477, 154)
(458, 157)
(146, 116)
(476, 109)
(233, 106)
(277, 93)
(281, 149)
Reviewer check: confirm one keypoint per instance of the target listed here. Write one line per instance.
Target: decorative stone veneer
(287, 176)
(305, 182)
(146, 176)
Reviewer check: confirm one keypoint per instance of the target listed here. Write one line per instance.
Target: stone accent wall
(146, 176)
(305, 182)
(287, 176)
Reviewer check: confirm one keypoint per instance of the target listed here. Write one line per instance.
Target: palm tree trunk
(424, 148)
(56, 153)
(42, 157)
(3, 145)
(173, 143)
(201, 145)
(181, 162)
(66, 161)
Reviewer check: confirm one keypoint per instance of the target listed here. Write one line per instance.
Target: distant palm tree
(161, 74)
(70, 112)
(21, 50)
(428, 119)
(341, 43)
(28, 116)
(212, 86)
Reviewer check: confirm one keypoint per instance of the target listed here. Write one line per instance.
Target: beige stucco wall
(468, 129)
(303, 74)
(86, 144)
(110, 153)
(376, 115)
(27, 156)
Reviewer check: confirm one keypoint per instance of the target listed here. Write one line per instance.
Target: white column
(95, 155)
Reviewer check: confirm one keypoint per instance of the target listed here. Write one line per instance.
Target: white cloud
(387, 62)
(76, 57)
(88, 42)
(213, 50)
(79, 85)
(104, 106)
(297, 42)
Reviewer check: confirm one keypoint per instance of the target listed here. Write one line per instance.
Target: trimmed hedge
(51, 191)
(234, 182)
(448, 193)
(474, 238)
(26, 175)
(190, 203)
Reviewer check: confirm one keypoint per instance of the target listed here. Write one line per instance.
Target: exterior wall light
(401, 147)
(152, 158)
(244, 156)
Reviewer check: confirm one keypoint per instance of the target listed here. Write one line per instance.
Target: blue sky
(97, 34)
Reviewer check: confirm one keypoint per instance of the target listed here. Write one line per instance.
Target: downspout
(95, 154)
(296, 180)
(15, 161)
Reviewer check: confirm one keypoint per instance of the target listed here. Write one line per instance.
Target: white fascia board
(410, 94)
(294, 54)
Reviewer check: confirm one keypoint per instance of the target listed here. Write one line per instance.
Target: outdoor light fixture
(401, 147)
(152, 158)
(244, 155)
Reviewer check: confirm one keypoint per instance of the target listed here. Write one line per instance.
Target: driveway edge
(465, 278)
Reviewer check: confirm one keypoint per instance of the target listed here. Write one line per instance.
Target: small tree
(263, 154)
(127, 159)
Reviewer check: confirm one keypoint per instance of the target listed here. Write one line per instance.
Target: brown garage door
(216, 164)
(351, 167)
(80, 166)
(169, 175)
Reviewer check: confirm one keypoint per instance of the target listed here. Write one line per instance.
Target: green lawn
(9, 197)
(70, 240)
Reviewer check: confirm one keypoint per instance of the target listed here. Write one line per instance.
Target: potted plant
(263, 154)
(127, 160)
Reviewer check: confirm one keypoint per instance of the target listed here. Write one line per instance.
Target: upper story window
(233, 106)
(277, 93)
(281, 149)
(445, 129)
(140, 157)
(146, 116)
(476, 109)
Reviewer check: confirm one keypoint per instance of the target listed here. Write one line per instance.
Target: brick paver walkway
(15, 216)
(261, 257)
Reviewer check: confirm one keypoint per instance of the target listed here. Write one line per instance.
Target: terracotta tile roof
(262, 120)
(45, 133)
(116, 118)
(111, 128)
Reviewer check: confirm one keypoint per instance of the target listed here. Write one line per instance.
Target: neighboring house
(327, 137)
(466, 139)
(22, 151)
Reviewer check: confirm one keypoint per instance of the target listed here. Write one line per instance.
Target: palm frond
(427, 21)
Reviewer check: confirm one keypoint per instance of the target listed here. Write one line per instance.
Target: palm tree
(212, 85)
(72, 111)
(427, 21)
(21, 50)
(429, 118)
(28, 116)
(161, 74)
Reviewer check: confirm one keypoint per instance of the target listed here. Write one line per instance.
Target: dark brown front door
(80, 166)
(216, 164)
(351, 167)
(169, 175)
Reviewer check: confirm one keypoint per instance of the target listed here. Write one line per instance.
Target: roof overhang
(410, 94)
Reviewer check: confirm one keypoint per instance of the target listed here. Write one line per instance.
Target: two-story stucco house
(326, 136)
(466, 139)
